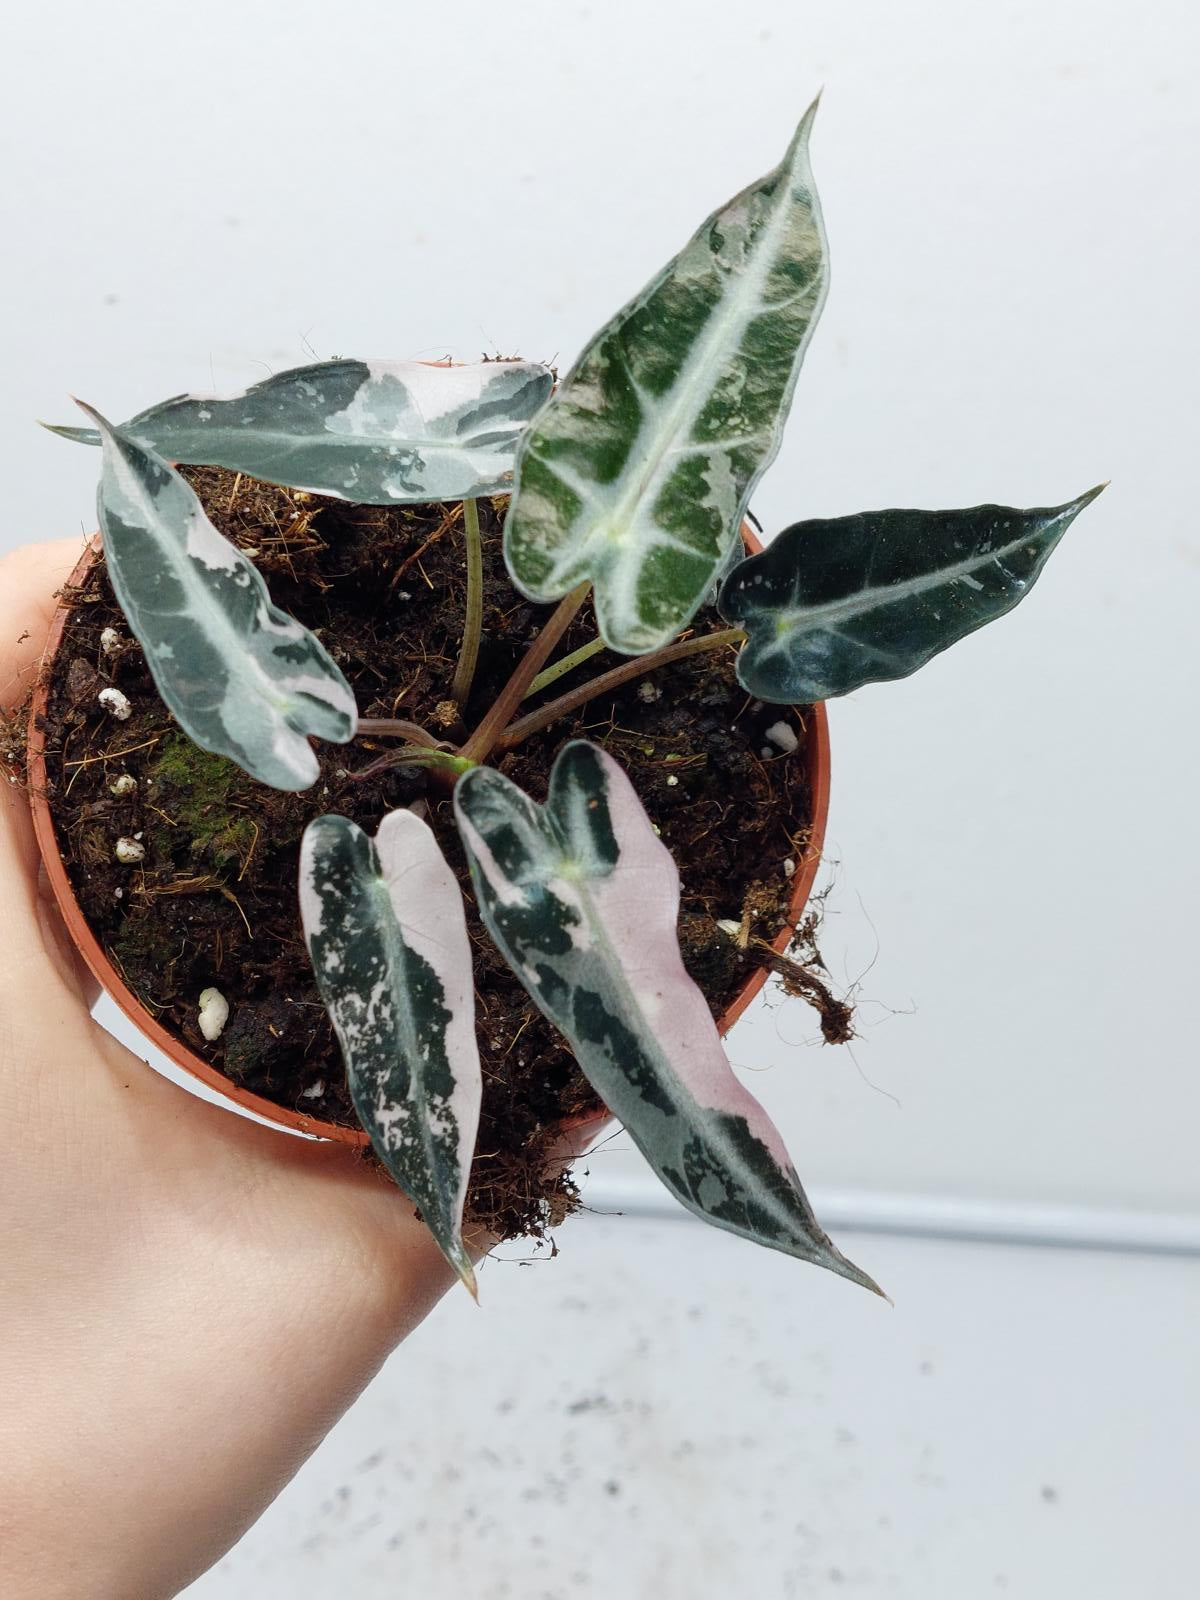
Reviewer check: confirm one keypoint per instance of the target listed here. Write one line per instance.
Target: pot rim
(111, 981)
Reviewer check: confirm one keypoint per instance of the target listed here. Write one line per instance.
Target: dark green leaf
(832, 604)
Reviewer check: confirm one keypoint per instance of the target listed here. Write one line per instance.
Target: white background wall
(194, 196)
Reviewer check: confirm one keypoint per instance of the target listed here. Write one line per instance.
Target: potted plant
(463, 901)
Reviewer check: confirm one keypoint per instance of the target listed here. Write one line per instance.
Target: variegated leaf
(386, 932)
(637, 473)
(582, 899)
(242, 678)
(372, 432)
(833, 604)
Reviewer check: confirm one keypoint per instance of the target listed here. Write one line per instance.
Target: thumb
(29, 581)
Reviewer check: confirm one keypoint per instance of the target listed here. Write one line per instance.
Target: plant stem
(468, 654)
(438, 761)
(397, 728)
(558, 669)
(566, 703)
(483, 741)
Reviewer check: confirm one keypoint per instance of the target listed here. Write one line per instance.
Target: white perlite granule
(783, 736)
(115, 703)
(129, 850)
(213, 1014)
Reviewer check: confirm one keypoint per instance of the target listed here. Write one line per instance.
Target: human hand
(188, 1300)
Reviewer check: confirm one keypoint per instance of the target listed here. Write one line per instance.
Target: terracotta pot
(580, 1130)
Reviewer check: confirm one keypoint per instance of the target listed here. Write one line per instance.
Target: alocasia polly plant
(629, 480)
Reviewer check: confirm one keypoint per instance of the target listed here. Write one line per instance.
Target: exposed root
(804, 975)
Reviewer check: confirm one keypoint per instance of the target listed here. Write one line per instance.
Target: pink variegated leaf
(383, 920)
(582, 899)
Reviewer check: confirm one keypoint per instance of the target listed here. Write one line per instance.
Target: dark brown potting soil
(213, 902)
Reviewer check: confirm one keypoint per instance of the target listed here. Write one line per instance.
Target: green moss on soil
(202, 803)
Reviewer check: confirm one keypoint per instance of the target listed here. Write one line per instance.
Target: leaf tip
(845, 1268)
(90, 411)
(65, 431)
(463, 1265)
(797, 150)
(809, 117)
(869, 1283)
(1071, 510)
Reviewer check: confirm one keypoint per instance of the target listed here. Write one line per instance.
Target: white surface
(194, 198)
(650, 1417)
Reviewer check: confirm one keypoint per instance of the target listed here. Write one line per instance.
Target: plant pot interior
(212, 901)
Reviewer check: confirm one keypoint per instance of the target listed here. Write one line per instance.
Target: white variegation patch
(242, 678)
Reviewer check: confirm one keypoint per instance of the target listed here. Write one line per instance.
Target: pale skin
(188, 1301)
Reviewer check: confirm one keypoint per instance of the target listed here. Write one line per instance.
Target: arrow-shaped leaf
(386, 932)
(582, 899)
(833, 604)
(372, 432)
(243, 679)
(638, 471)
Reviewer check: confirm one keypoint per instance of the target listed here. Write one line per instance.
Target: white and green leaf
(385, 928)
(374, 432)
(639, 469)
(242, 678)
(832, 604)
(582, 899)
